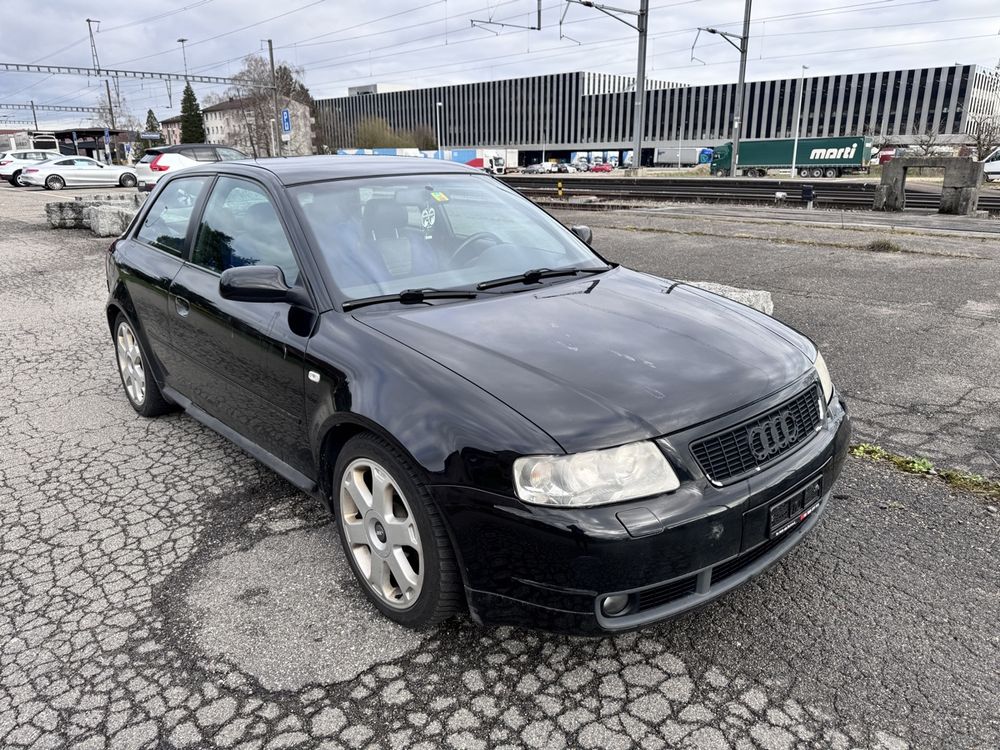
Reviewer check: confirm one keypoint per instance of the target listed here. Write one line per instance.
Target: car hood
(604, 360)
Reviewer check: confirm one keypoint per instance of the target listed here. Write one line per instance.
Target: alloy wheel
(381, 533)
(19, 179)
(130, 363)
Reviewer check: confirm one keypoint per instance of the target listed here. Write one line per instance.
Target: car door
(151, 256)
(243, 362)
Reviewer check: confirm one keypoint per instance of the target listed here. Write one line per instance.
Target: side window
(203, 154)
(240, 227)
(66, 163)
(229, 154)
(166, 224)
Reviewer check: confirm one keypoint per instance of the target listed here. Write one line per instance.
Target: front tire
(140, 386)
(54, 182)
(127, 180)
(393, 537)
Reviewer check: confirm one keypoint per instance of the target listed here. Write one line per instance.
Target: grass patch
(883, 246)
(961, 480)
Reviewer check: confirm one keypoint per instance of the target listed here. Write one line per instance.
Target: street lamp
(182, 40)
(440, 149)
(798, 116)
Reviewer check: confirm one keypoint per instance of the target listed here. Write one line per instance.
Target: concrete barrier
(758, 299)
(82, 212)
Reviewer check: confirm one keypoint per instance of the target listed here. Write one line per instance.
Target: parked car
(582, 165)
(77, 171)
(499, 419)
(565, 167)
(12, 163)
(603, 167)
(541, 168)
(156, 161)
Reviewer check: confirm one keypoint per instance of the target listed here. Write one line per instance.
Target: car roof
(299, 169)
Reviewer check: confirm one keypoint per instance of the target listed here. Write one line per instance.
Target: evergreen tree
(192, 122)
(153, 126)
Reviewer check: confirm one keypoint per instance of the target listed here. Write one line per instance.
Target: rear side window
(165, 226)
(230, 154)
(203, 154)
(148, 157)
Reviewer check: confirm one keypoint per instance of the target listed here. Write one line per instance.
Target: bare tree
(985, 135)
(253, 90)
(926, 140)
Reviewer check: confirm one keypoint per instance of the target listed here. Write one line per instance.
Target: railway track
(829, 193)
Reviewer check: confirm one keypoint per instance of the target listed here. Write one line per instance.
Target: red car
(603, 167)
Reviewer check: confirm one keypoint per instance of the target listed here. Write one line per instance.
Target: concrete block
(110, 221)
(758, 299)
(67, 214)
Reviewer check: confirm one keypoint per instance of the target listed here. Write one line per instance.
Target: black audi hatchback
(498, 418)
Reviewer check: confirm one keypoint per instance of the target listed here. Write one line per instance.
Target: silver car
(77, 171)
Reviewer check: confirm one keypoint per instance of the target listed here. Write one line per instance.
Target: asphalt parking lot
(160, 588)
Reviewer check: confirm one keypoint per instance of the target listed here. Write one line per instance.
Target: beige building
(248, 126)
(171, 129)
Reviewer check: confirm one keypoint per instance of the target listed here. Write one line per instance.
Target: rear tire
(816, 173)
(140, 386)
(15, 179)
(803, 172)
(127, 180)
(54, 182)
(830, 173)
(390, 529)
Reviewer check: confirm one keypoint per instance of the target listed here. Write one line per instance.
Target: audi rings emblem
(773, 435)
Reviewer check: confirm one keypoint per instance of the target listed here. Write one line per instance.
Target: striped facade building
(583, 111)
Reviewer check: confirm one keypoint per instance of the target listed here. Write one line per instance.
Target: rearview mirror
(583, 232)
(253, 284)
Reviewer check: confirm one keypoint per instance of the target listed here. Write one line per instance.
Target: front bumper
(551, 568)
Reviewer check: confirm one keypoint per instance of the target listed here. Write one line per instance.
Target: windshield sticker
(427, 217)
(439, 196)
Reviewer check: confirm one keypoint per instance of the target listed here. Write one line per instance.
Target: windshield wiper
(537, 274)
(409, 297)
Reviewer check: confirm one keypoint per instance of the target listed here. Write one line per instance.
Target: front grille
(760, 440)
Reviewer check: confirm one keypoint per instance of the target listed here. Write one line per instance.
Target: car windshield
(384, 235)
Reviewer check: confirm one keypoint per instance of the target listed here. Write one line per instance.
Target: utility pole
(274, 93)
(438, 118)
(798, 116)
(97, 66)
(33, 115)
(742, 48)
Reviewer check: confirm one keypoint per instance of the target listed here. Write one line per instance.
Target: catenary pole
(738, 104)
(642, 24)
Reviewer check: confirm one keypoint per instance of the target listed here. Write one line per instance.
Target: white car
(12, 163)
(991, 166)
(162, 159)
(77, 171)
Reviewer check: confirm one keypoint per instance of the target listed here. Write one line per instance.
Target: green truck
(816, 157)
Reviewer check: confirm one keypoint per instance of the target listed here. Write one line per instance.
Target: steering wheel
(465, 252)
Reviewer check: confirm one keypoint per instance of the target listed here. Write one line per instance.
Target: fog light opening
(615, 605)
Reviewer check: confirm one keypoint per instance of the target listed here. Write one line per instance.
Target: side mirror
(253, 284)
(583, 232)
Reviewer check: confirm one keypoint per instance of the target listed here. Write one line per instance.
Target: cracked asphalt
(161, 589)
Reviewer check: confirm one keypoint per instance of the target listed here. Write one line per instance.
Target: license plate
(793, 509)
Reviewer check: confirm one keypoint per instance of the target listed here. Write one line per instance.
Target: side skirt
(275, 464)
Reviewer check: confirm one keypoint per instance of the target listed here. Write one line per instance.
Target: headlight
(594, 477)
(824, 378)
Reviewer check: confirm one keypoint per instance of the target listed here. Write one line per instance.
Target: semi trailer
(812, 157)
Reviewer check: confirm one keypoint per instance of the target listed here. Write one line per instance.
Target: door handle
(182, 306)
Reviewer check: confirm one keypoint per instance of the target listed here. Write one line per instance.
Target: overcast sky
(339, 44)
